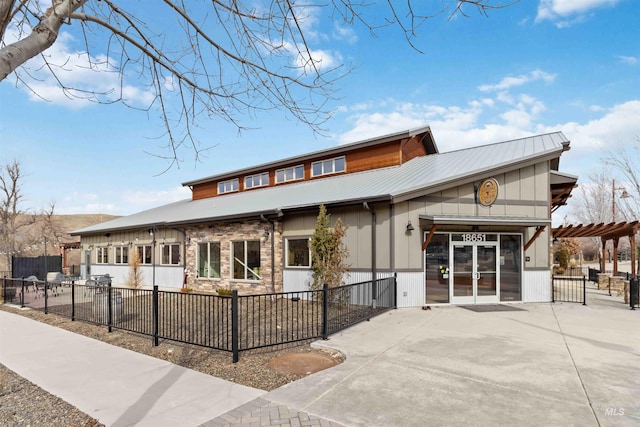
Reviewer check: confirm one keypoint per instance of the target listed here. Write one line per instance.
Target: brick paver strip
(264, 413)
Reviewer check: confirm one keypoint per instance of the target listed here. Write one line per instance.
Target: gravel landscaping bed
(253, 370)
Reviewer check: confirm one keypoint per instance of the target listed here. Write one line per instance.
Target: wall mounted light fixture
(410, 227)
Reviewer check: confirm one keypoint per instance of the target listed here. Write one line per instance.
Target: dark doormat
(487, 308)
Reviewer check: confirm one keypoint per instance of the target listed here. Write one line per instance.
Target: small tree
(328, 253)
(135, 271)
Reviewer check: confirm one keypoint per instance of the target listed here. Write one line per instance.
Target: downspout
(374, 273)
(184, 256)
(273, 249)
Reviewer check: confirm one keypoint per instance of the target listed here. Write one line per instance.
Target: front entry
(474, 273)
(476, 267)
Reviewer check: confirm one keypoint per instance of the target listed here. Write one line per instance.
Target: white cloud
(346, 33)
(120, 203)
(91, 77)
(145, 199)
(508, 116)
(628, 60)
(511, 81)
(564, 13)
(617, 124)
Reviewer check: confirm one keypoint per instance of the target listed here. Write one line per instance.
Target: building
(459, 227)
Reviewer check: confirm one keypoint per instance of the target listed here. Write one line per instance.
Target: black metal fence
(634, 293)
(569, 289)
(229, 323)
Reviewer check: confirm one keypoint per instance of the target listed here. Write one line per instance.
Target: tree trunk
(43, 36)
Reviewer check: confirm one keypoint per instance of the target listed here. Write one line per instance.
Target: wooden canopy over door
(613, 231)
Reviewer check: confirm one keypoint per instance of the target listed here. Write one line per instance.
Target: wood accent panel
(204, 190)
(373, 158)
(412, 148)
(364, 159)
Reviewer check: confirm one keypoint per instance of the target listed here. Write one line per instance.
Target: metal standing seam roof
(421, 174)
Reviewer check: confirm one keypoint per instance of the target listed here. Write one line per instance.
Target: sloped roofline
(419, 176)
(430, 146)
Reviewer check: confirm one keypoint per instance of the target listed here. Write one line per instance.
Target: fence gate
(35, 266)
(569, 289)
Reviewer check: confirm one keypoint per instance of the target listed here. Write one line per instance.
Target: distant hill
(69, 223)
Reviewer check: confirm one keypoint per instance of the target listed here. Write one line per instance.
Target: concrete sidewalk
(117, 386)
(548, 364)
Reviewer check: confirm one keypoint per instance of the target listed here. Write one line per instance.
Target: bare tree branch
(225, 59)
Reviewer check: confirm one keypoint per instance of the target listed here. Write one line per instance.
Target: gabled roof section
(427, 140)
(420, 176)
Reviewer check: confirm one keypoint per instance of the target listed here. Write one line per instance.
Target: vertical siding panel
(536, 286)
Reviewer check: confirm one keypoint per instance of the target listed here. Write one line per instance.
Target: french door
(474, 273)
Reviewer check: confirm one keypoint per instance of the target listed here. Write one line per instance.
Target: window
(228, 186)
(259, 180)
(290, 174)
(326, 167)
(122, 254)
(209, 260)
(246, 260)
(171, 254)
(298, 253)
(145, 254)
(102, 255)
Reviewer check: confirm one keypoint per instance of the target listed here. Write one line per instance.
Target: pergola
(613, 231)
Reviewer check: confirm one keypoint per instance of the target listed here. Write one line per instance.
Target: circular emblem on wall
(488, 192)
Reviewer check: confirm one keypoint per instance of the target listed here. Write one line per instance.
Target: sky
(533, 67)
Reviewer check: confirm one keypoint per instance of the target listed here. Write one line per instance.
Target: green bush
(225, 292)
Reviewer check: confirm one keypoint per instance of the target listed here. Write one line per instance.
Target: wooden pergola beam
(434, 227)
(537, 234)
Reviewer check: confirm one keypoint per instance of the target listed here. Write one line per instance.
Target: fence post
(325, 311)
(395, 290)
(634, 293)
(46, 297)
(584, 290)
(22, 295)
(553, 288)
(73, 300)
(155, 316)
(109, 312)
(234, 326)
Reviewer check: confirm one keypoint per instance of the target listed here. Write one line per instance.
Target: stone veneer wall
(225, 233)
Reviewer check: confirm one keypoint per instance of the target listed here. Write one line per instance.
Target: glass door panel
(463, 274)
(475, 273)
(486, 271)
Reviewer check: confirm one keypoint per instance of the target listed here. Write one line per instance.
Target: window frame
(287, 253)
(294, 170)
(208, 264)
(325, 162)
(121, 255)
(263, 177)
(245, 262)
(171, 253)
(235, 186)
(142, 250)
(102, 255)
